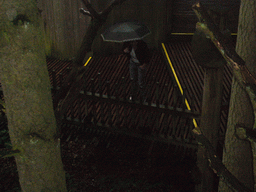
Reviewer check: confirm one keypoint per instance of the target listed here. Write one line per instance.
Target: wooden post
(117, 92)
(184, 97)
(84, 97)
(124, 97)
(173, 127)
(100, 84)
(210, 121)
(109, 105)
(92, 87)
(166, 116)
(175, 95)
(101, 104)
(150, 94)
(60, 80)
(79, 102)
(157, 124)
(211, 105)
(157, 93)
(93, 102)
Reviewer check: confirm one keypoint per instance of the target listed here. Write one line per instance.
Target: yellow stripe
(182, 33)
(193, 33)
(87, 61)
(177, 80)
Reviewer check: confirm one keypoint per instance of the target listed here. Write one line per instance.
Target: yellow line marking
(87, 61)
(193, 33)
(177, 80)
(182, 33)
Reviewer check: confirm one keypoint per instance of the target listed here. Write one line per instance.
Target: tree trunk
(237, 154)
(26, 87)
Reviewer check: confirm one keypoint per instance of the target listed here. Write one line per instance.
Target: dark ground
(109, 165)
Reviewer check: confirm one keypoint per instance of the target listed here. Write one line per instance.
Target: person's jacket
(142, 52)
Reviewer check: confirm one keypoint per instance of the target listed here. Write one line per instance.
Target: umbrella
(125, 31)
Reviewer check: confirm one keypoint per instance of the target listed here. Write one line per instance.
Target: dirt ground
(115, 165)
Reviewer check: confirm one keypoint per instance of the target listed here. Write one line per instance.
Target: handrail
(117, 112)
(146, 105)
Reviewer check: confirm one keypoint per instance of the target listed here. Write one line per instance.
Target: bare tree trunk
(237, 154)
(26, 87)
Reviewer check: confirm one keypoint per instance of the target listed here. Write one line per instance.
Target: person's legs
(134, 77)
(142, 82)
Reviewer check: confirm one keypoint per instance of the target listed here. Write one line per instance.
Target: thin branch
(225, 47)
(85, 12)
(9, 153)
(91, 10)
(245, 133)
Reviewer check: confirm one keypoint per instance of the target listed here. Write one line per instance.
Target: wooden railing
(104, 105)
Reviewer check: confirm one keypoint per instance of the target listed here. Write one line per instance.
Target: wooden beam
(139, 105)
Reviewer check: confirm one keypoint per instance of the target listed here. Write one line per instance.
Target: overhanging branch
(225, 47)
(85, 12)
(91, 10)
(240, 71)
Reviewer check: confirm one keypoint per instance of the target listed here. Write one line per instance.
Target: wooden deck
(160, 90)
(110, 76)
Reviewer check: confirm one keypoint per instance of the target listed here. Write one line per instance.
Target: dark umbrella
(125, 31)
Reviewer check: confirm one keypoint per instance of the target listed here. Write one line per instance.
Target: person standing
(139, 57)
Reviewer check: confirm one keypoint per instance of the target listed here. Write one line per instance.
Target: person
(139, 57)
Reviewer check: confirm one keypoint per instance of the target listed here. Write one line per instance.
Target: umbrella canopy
(125, 31)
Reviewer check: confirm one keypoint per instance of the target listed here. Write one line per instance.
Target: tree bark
(237, 154)
(26, 87)
(217, 166)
